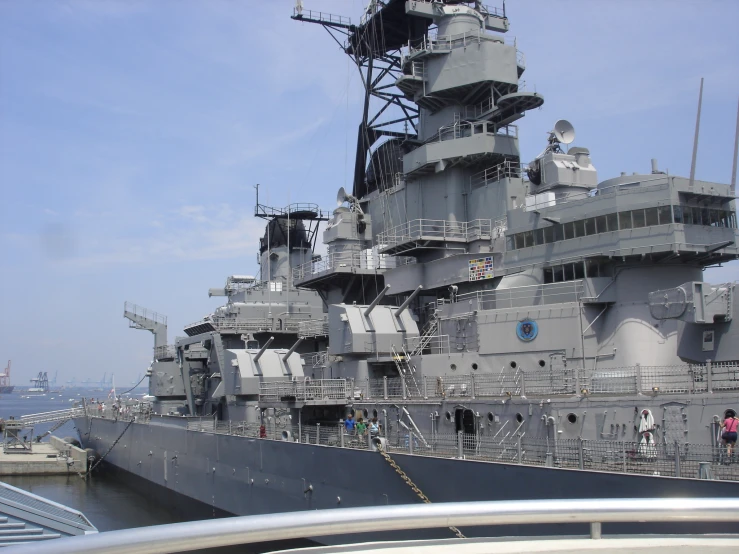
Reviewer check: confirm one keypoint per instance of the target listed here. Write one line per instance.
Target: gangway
(48, 417)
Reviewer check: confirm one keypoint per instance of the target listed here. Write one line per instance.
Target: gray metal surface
(552, 321)
(244, 530)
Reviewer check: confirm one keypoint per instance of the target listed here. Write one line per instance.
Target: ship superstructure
(476, 306)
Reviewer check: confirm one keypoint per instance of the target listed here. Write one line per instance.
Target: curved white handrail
(179, 537)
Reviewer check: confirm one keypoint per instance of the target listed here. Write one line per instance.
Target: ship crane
(148, 320)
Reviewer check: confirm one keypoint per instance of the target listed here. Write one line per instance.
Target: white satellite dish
(341, 196)
(564, 132)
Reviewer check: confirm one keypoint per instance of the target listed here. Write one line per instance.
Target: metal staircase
(427, 333)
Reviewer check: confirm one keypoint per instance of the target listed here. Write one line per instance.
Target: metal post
(460, 444)
(623, 454)
(300, 424)
(523, 384)
(402, 386)
(384, 387)
(709, 375)
(519, 454)
(425, 389)
(318, 433)
(410, 441)
(677, 459)
(229, 427)
(638, 378)
(580, 453)
(595, 530)
(341, 432)
(472, 383)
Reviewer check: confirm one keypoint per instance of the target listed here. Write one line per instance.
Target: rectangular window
(580, 270)
(519, 240)
(624, 220)
(579, 228)
(510, 242)
(683, 215)
(601, 225)
(612, 221)
(705, 216)
(591, 268)
(538, 236)
(651, 216)
(548, 275)
(548, 235)
(528, 238)
(590, 226)
(664, 213)
(559, 274)
(569, 230)
(569, 272)
(714, 217)
(558, 232)
(638, 218)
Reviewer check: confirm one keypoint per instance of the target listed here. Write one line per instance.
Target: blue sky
(132, 133)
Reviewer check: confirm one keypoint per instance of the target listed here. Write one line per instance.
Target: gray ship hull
(247, 476)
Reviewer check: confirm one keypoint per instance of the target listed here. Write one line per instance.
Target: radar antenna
(375, 47)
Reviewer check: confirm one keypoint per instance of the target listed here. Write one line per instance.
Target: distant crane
(40, 383)
(5, 377)
(52, 382)
(5, 386)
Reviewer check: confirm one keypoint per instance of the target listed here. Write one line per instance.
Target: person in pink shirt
(729, 425)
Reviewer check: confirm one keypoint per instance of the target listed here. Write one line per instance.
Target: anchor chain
(413, 486)
(89, 471)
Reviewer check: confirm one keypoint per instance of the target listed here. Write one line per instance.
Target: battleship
(505, 329)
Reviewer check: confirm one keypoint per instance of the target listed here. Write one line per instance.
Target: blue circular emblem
(527, 330)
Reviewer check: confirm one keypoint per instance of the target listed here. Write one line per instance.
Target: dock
(22, 454)
(55, 457)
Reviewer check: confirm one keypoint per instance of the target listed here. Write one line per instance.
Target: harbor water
(107, 500)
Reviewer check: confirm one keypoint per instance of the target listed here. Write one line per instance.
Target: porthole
(542, 363)
(474, 366)
(514, 365)
(519, 418)
(374, 413)
(449, 416)
(572, 418)
(453, 367)
(491, 417)
(366, 413)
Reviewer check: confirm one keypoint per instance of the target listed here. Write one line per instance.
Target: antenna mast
(736, 153)
(695, 140)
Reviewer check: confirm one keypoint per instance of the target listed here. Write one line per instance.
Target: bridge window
(629, 219)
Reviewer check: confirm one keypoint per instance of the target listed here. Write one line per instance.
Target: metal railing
(164, 352)
(366, 259)
(313, 328)
(300, 13)
(194, 535)
(249, 325)
(307, 389)
(140, 311)
(530, 295)
(507, 169)
(436, 229)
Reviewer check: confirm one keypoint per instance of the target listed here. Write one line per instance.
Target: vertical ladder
(406, 370)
